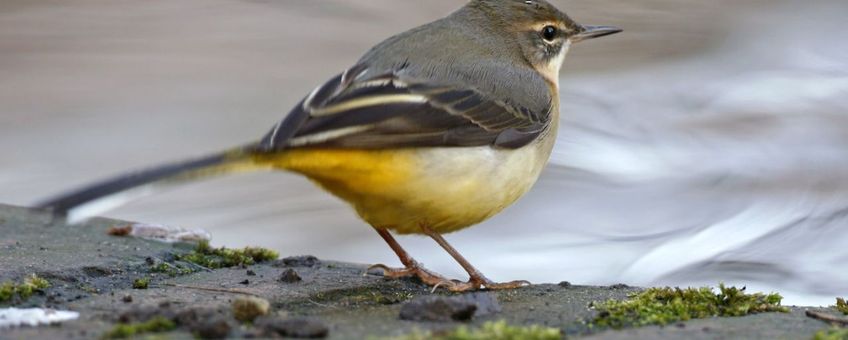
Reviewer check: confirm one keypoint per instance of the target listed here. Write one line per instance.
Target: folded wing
(390, 110)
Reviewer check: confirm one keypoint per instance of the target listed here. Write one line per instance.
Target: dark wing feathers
(285, 130)
(357, 117)
(321, 95)
(355, 111)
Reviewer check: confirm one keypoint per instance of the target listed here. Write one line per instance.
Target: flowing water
(707, 143)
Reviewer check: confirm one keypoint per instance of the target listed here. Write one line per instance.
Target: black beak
(592, 32)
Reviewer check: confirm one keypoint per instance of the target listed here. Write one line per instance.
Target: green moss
(364, 296)
(660, 306)
(141, 283)
(170, 269)
(832, 334)
(31, 284)
(203, 247)
(156, 325)
(24, 291)
(209, 257)
(842, 306)
(37, 282)
(162, 267)
(835, 333)
(7, 291)
(499, 330)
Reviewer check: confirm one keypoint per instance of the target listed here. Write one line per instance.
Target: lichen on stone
(661, 306)
(364, 296)
(492, 330)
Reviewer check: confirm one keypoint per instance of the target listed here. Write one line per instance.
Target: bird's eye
(549, 33)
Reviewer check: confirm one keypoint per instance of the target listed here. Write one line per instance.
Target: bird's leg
(477, 279)
(411, 267)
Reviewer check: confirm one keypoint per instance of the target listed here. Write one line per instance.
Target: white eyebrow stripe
(327, 135)
(369, 101)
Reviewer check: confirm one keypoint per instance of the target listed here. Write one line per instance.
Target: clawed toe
(506, 285)
(393, 273)
(415, 270)
(470, 286)
(437, 281)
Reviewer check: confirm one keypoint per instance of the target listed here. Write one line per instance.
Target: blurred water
(707, 143)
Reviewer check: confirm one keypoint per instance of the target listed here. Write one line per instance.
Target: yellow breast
(446, 189)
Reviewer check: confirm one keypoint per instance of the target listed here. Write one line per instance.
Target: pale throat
(550, 70)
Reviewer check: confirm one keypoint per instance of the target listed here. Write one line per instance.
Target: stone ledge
(92, 273)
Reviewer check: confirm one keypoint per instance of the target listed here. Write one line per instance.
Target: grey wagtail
(434, 130)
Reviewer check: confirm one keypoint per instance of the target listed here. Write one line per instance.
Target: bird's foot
(437, 281)
(415, 270)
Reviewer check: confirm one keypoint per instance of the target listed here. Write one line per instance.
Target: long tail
(108, 194)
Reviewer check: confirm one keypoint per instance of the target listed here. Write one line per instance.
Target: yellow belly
(446, 189)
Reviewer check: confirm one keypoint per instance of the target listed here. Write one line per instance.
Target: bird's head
(543, 32)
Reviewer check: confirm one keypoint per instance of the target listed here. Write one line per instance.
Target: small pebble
(119, 230)
(206, 323)
(486, 302)
(248, 308)
(305, 328)
(290, 276)
(438, 308)
(216, 328)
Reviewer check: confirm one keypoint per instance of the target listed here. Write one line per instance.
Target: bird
(431, 131)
